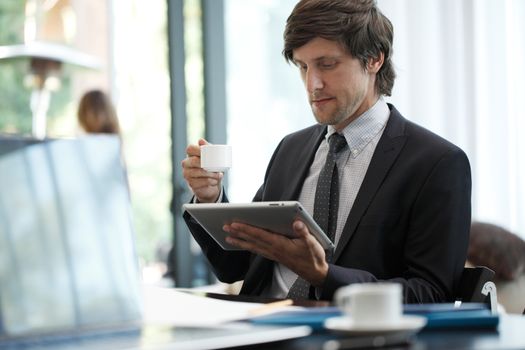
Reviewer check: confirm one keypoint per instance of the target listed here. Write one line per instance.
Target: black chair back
(477, 286)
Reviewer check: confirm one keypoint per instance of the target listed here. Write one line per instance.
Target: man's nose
(314, 81)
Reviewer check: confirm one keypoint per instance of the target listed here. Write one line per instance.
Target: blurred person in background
(96, 113)
(504, 253)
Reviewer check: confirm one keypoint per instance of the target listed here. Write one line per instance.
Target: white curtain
(460, 67)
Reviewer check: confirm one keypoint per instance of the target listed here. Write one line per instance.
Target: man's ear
(374, 64)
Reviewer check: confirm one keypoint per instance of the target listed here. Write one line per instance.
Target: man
(400, 210)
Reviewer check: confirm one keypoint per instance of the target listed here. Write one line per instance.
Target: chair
(476, 286)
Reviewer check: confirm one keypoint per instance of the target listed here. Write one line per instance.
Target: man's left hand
(302, 254)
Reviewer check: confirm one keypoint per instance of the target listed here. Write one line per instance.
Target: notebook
(69, 275)
(442, 315)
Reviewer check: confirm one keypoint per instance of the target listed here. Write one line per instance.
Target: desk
(509, 335)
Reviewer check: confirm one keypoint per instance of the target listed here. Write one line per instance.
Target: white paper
(173, 307)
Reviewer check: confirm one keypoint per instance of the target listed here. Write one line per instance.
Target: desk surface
(509, 335)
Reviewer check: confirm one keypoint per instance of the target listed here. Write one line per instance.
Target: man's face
(338, 87)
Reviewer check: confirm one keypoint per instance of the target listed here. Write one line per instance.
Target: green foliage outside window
(15, 114)
(15, 97)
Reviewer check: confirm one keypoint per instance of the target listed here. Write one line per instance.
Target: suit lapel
(261, 269)
(387, 150)
(308, 150)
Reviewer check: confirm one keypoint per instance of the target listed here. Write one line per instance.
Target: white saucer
(407, 324)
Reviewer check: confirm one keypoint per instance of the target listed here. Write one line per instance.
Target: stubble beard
(338, 116)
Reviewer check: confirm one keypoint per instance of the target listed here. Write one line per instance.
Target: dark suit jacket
(409, 223)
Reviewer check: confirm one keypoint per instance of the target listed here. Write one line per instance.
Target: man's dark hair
(357, 25)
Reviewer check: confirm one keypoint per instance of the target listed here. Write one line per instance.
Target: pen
(263, 309)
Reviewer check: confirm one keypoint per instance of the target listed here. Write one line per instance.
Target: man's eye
(327, 65)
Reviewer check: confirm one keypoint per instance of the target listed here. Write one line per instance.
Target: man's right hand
(206, 186)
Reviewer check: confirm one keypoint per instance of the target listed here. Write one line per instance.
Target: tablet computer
(276, 216)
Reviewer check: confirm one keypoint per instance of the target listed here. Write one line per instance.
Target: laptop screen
(67, 256)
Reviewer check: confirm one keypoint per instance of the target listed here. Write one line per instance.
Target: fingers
(191, 161)
(191, 169)
(200, 179)
(317, 271)
(273, 246)
(250, 237)
(255, 240)
(302, 254)
(250, 246)
(195, 150)
(205, 185)
(300, 229)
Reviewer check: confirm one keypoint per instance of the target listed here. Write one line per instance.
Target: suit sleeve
(436, 240)
(228, 266)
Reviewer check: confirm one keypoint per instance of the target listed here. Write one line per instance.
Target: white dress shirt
(362, 136)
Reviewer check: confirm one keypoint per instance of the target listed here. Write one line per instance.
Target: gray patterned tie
(325, 206)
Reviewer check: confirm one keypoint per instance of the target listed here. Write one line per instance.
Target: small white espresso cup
(371, 304)
(216, 157)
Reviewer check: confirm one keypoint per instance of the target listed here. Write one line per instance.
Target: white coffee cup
(216, 157)
(371, 304)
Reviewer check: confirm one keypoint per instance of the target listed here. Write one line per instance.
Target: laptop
(69, 274)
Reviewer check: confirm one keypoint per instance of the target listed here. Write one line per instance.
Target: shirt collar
(364, 128)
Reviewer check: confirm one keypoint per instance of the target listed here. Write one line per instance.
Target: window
(129, 39)
(265, 96)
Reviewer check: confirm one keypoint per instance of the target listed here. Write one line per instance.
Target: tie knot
(337, 142)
